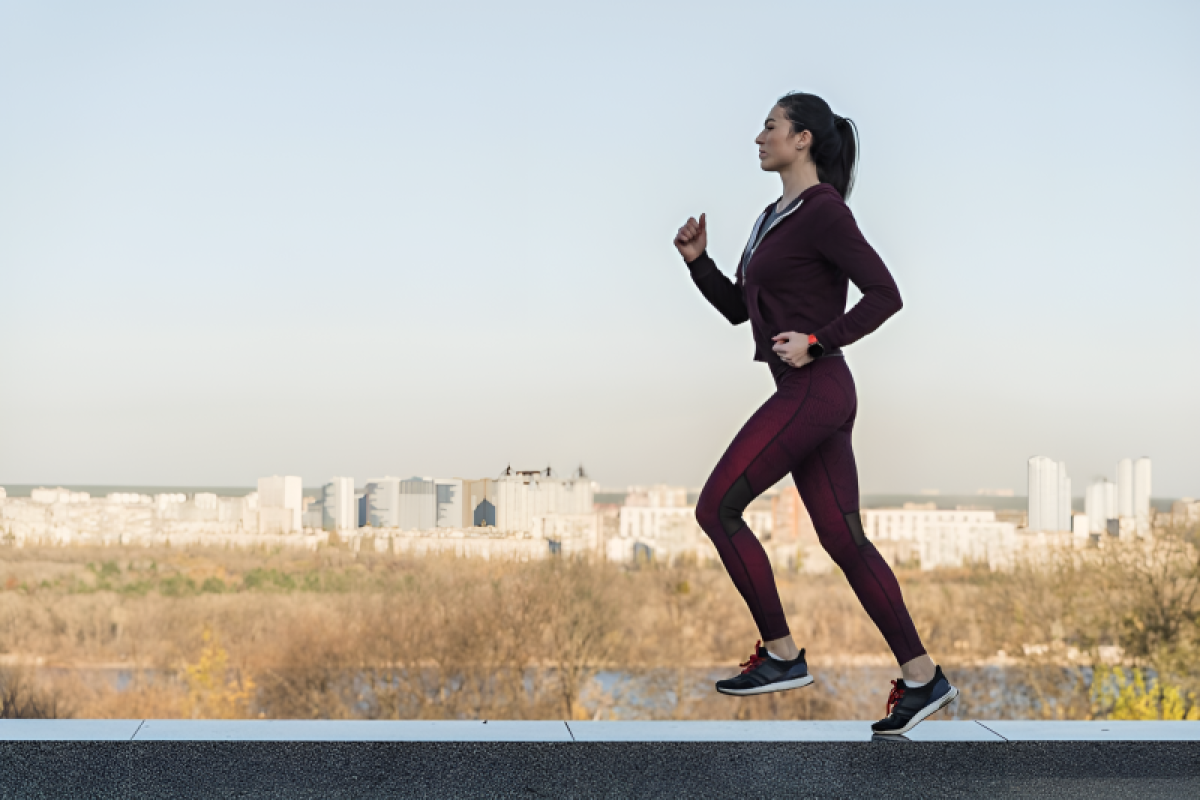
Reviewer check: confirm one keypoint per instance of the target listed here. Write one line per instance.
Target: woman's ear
(804, 139)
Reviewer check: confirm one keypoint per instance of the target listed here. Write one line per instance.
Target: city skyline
(238, 241)
(1048, 491)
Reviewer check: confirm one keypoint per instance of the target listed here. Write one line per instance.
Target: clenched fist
(692, 239)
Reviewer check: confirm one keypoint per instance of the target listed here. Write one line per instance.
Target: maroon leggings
(804, 428)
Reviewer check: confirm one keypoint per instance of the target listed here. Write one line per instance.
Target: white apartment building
(417, 504)
(521, 497)
(1185, 511)
(280, 504)
(449, 502)
(1100, 505)
(1049, 495)
(58, 495)
(406, 504)
(569, 534)
(1122, 509)
(129, 498)
(662, 532)
(1063, 520)
(339, 505)
(1125, 488)
(167, 504)
(939, 538)
(1141, 495)
(656, 522)
(383, 502)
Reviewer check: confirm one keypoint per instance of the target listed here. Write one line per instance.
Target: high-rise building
(1049, 495)
(512, 503)
(1141, 494)
(449, 511)
(523, 495)
(339, 506)
(418, 504)
(374, 504)
(280, 504)
(1044, 512)
(409, 504)
(1063, 517)
(382, 496)
(1101, 505)
(1125, 488)
(657, 496)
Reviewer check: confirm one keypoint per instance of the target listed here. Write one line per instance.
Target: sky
(376, 238)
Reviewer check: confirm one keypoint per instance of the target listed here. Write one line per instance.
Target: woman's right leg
(752, 463)
(809, 405)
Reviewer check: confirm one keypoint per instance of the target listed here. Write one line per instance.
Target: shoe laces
(896, 696)
(755, 659)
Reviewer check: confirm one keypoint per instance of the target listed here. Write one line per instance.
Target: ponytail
(835, 139)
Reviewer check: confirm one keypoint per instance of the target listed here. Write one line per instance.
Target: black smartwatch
(815, 348)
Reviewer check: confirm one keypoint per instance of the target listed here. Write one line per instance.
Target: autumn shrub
(336, 634)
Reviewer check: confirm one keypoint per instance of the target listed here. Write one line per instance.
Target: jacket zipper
(751, 246)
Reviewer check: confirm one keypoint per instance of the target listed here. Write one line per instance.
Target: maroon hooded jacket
(797, 278)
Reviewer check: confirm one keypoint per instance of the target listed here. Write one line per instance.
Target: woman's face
(778, 147)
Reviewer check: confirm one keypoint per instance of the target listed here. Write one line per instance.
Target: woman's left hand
(792, 347)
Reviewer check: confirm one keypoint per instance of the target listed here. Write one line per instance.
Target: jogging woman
(791, 284)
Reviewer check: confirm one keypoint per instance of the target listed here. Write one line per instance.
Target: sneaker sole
(922, 714)
(780, 686)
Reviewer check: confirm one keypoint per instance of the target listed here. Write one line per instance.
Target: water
(843, 692)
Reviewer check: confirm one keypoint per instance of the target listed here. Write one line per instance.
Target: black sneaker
(906, 706)
(764, 674)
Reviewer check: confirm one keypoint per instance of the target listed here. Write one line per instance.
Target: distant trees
(1112, 632)
(23, 698)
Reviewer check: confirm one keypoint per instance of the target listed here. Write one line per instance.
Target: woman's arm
(724, 294)
(844, 245)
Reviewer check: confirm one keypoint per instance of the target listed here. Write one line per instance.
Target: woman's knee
(842, 550)
(708, 512)
(719, 510)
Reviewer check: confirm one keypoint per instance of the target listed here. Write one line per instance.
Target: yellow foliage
(1120, 697)
(213, 693)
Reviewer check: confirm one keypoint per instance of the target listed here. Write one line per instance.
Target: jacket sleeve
(844, 246)
(724, 294)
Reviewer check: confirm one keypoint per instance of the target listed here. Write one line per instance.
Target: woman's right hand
(692, 239)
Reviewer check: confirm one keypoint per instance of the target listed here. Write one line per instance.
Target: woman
(792, 283)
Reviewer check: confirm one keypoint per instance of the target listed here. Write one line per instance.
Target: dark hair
(835, 139)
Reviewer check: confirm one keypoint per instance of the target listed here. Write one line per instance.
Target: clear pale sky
(352, 238)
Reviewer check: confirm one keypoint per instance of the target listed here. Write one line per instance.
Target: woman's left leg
(828, 484)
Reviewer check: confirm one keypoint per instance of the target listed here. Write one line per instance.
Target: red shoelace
(895, 697)
(754, 661)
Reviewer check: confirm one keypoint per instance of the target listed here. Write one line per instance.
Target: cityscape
(535, 514)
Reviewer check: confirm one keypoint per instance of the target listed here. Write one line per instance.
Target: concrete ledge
(299, 759)
(293, 730)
